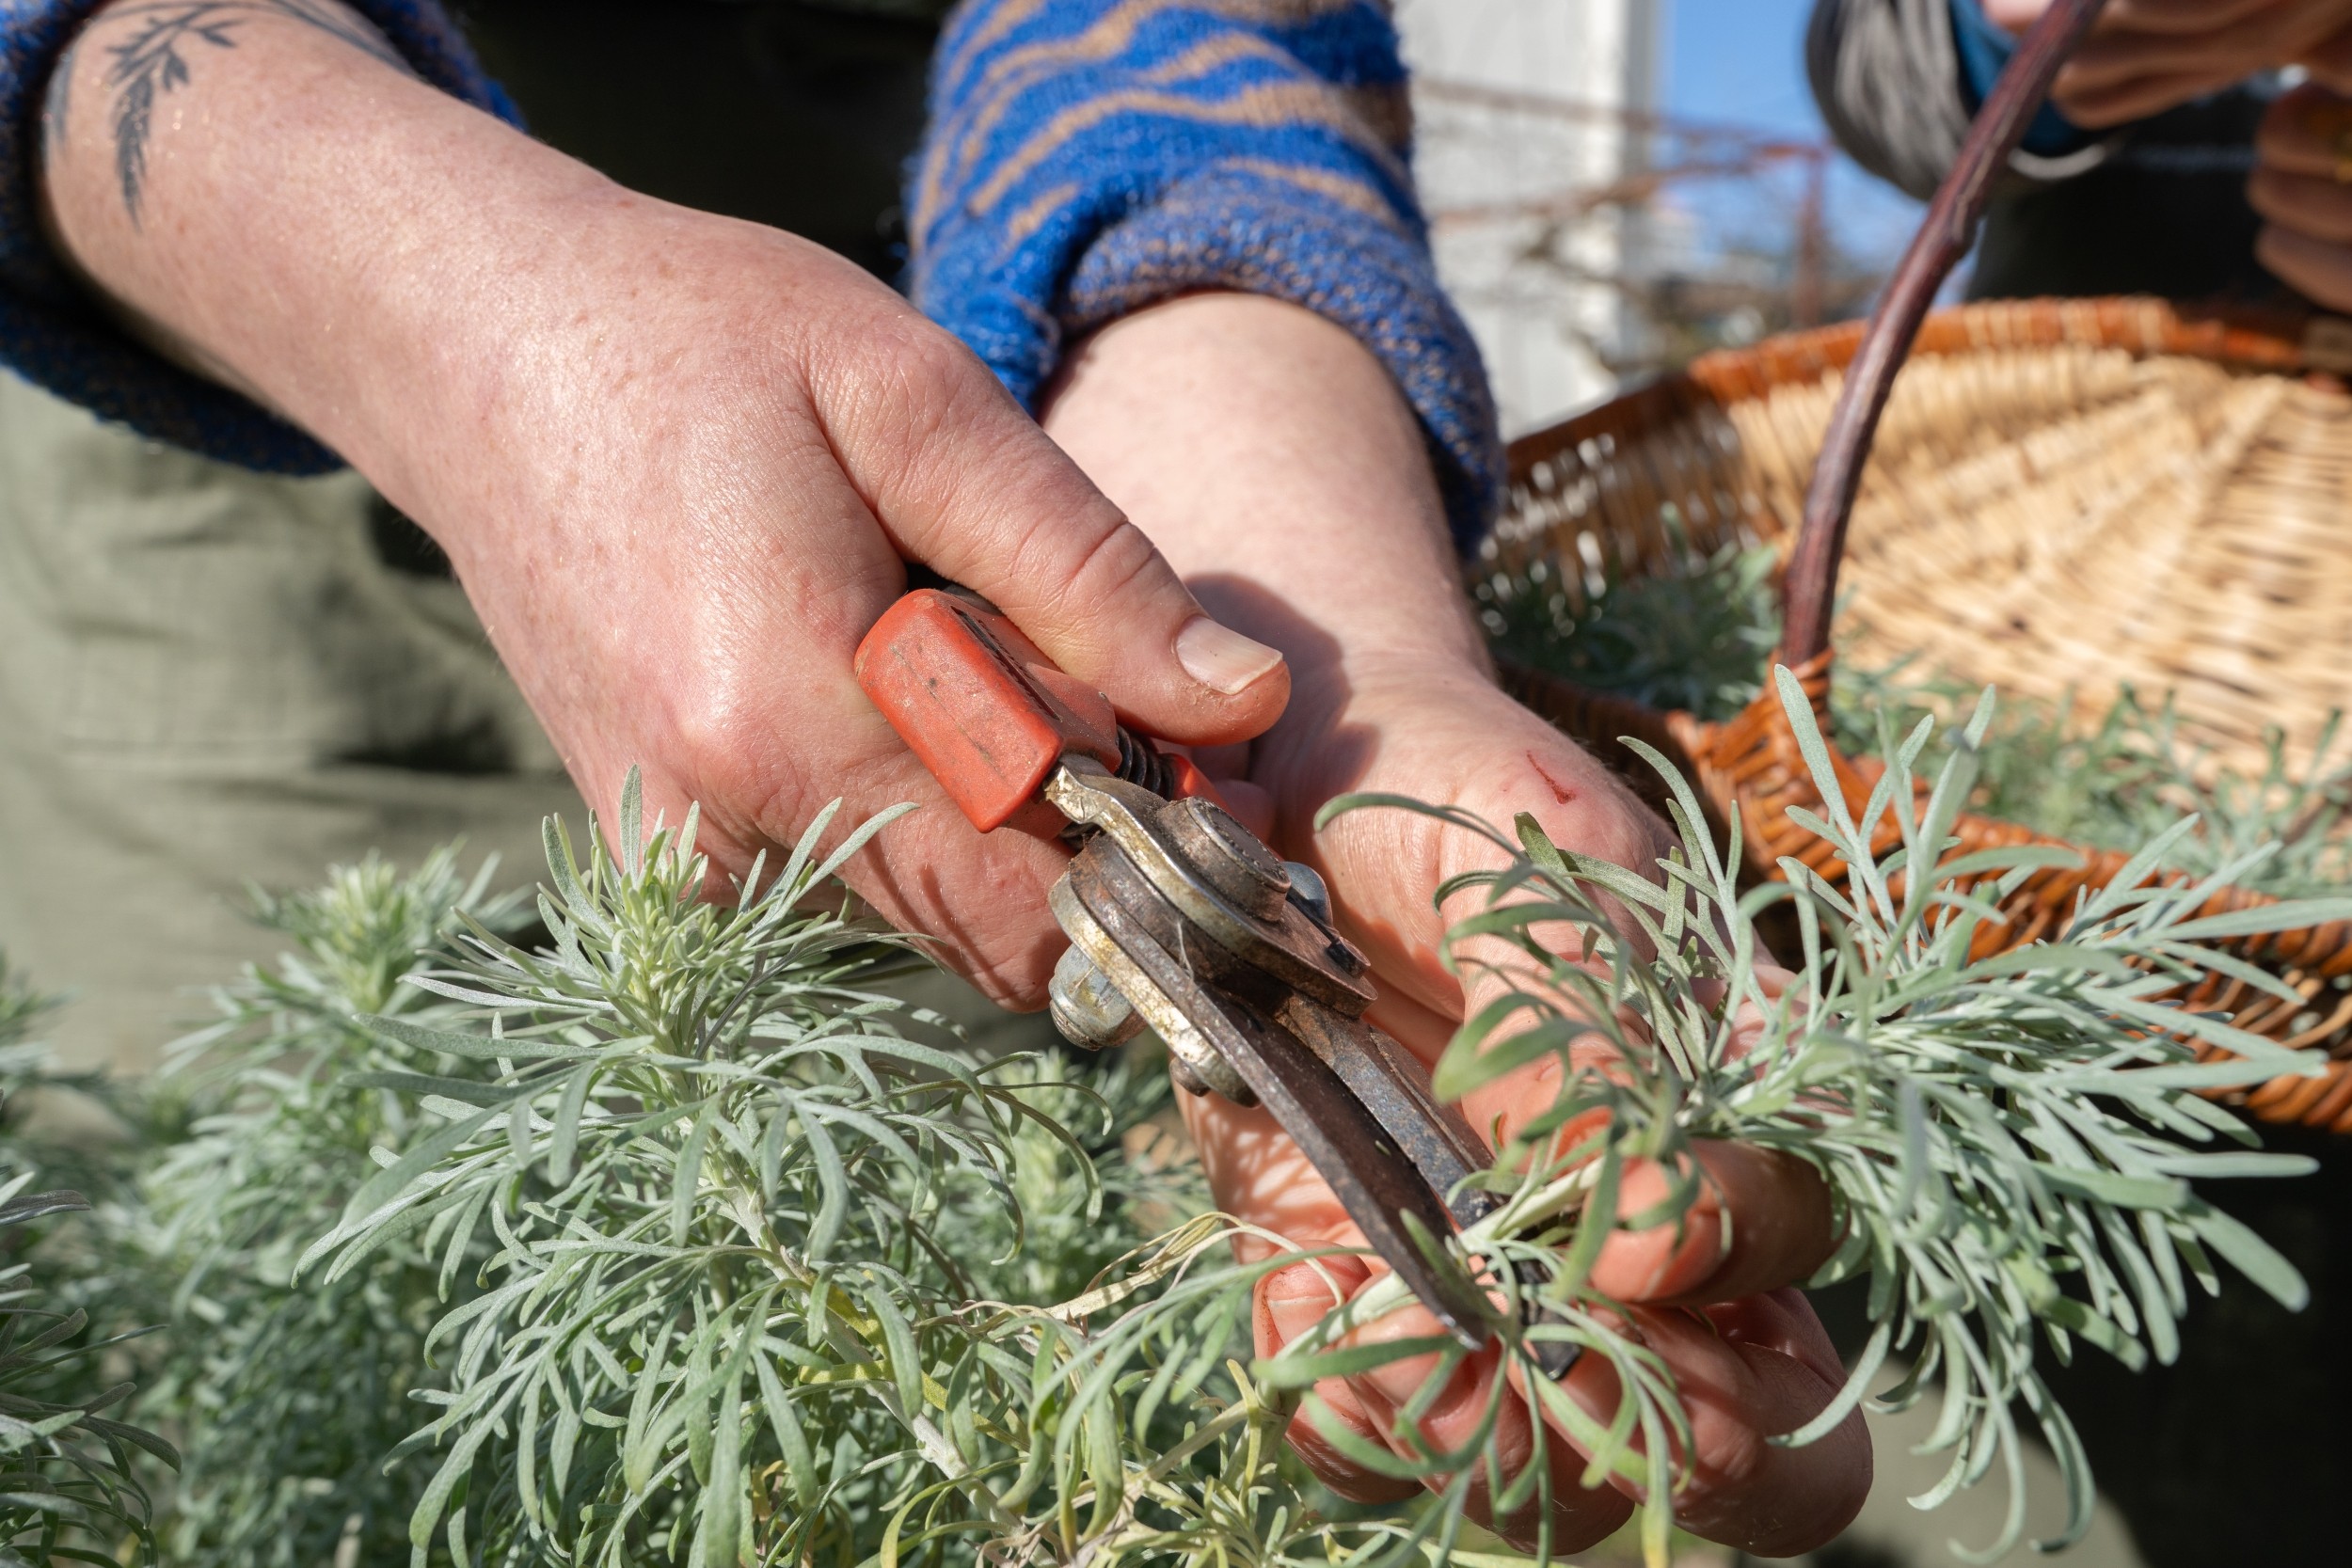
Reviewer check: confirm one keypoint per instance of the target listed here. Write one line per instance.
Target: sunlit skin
(2144, 56)
(1203, 420)
(677, 460)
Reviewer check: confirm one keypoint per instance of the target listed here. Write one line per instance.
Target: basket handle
(1809, 590)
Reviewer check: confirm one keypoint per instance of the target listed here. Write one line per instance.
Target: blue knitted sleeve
(1088, 157)
(52, 333)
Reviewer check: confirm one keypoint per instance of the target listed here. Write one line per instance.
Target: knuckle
(1103, 569)
(714, 751)
(897, 387)
(1115, 565)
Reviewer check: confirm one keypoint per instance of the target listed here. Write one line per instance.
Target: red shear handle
(985, 711)
(976, 702)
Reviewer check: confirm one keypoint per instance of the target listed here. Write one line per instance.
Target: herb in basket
(1692, 635)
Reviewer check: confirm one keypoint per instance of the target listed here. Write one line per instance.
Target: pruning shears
(1180, 918)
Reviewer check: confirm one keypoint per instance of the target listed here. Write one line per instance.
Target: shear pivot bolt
(1088, 1008)
(1309, 893)
(1228, 856)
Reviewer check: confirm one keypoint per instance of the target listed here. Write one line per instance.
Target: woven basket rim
(1750, 769)
(2259, 339)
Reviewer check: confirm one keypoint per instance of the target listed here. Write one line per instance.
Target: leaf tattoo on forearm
(154, 60)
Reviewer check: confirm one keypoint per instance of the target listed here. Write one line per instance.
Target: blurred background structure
(1617, 186)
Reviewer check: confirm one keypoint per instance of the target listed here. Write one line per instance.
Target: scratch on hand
(1560, 792)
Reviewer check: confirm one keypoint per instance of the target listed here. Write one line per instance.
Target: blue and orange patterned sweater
(1085, 159)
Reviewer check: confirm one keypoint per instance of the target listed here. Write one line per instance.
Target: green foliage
(1694, 634)
(2009, 1140)
(48, 1118)
(1078, 1212)
(290, 1395)
(698, 1248)
(737, 1210)
(1691, 634)
(2123, 781)
(744, 1235)
(67, 1489)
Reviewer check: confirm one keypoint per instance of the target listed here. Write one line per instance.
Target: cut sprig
(2009, 1141)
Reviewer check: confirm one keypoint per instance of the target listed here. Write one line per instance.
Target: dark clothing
(2164, 213)
(2158, 207)
(794, 115)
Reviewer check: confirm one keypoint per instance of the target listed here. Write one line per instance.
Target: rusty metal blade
(1394, 1087)
(1374, 1178)
(1438, 1139)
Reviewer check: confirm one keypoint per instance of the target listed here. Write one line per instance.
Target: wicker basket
(2064, 497)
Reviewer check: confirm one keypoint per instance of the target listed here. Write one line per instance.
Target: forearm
(1086, 161)
(1274, 462)
(265, 189)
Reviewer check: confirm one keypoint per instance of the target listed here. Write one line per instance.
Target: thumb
(967, 483)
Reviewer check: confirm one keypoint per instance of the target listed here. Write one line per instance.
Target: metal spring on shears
(1141, 763)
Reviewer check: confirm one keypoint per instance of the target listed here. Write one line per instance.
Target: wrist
(1273, 460)
(1340, 710)
(1340, 689)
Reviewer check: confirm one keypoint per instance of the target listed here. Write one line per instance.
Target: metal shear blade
(1371, 1167)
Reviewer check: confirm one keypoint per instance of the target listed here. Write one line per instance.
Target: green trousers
(211, 678)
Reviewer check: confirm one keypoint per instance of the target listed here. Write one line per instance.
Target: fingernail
(1220, 657)
(1296, 1300)
(1401, 1382)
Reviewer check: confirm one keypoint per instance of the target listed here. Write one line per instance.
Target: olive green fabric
(210, 676)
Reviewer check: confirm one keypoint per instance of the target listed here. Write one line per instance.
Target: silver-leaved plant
(721, 1222)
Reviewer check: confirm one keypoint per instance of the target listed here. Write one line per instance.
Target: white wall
(1537, 325)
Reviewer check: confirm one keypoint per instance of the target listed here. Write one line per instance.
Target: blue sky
(1742, 60)
(1739, 60)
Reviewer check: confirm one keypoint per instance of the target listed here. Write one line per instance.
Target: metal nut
(1228, 856)
(1088, 1008)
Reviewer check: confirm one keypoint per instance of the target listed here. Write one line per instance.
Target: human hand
(2144, 56)
(1746, 1353)
(2303, 162)
(1282, 472)
(678, 462)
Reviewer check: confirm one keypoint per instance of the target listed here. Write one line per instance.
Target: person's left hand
(2144, 56)
(1748, 1355)
(2303, 187)
(1273, 462)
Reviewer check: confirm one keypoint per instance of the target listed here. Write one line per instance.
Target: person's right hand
(679, 461)
(2144, 56)
(690, 535)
